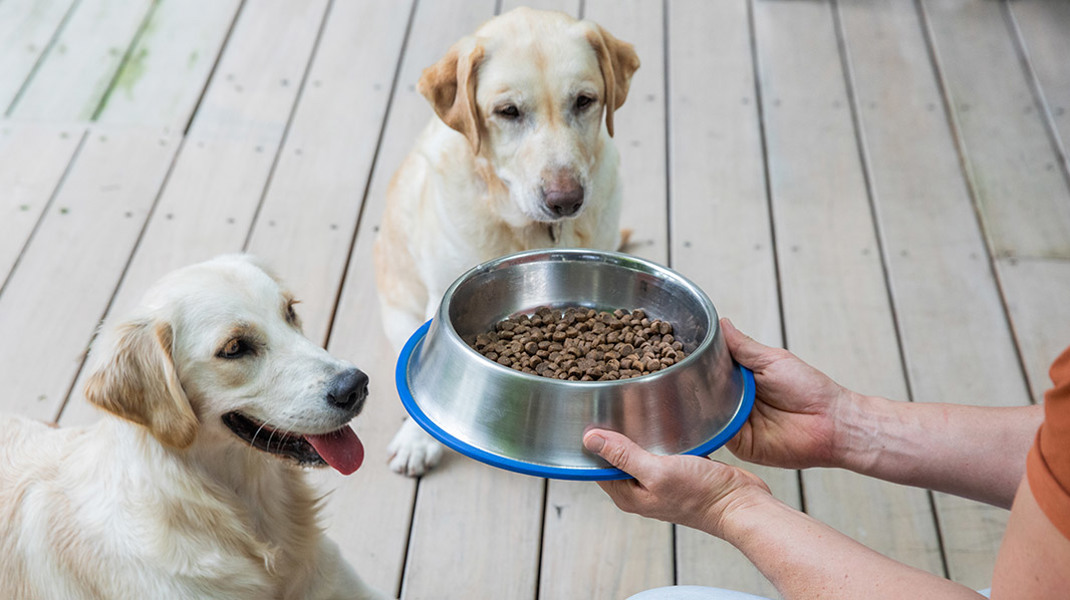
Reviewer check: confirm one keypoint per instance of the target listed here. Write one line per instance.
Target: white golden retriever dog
(519, 157)
(191, 484)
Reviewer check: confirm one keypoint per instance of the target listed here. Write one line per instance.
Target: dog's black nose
(348, 390)
(564, 202)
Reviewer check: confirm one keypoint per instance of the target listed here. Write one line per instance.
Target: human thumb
(619, 451)
(743, 348)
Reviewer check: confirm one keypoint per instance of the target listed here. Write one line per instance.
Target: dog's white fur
(519, 157)
(159, 499)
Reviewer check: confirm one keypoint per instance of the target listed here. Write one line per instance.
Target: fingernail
(594, 443)
(728, 324)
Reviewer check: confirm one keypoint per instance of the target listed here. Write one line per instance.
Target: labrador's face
(541, 105)
(220, 358)
(529, 90)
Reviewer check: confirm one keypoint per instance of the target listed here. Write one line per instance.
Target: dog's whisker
(256, 433)
(272, 429)
(272, 436)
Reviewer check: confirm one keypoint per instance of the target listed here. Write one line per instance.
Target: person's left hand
(690, 490)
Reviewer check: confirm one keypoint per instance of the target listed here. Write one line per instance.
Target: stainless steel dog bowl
(535, 425)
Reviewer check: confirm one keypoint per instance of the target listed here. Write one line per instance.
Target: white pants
(692, 592)
(697, 592)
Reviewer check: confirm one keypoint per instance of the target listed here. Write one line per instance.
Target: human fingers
(689, 490)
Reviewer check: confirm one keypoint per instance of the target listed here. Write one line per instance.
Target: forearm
(805, 558)
(969, 451)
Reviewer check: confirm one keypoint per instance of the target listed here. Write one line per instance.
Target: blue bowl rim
(539, 470)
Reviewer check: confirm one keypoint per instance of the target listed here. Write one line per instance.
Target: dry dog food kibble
(581, 344)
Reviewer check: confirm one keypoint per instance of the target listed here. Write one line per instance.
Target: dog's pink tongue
(340, 448)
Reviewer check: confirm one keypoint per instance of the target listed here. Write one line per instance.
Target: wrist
(860, 421)
(747, 522)
(738, 512)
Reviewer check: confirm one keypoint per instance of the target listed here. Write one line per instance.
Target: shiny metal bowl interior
(535, 425)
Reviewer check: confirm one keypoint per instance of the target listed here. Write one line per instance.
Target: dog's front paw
(412, 451)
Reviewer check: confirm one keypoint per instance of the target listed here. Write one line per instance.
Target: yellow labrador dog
(518, 157)
(190, 485)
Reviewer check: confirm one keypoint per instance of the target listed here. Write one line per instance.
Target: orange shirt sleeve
(1048, 465)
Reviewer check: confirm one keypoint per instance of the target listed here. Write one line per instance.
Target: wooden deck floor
(880, 186)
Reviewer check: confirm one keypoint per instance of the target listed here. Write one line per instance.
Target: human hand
(690, 490)
(799, 416)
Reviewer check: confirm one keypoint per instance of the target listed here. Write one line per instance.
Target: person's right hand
(798, 416)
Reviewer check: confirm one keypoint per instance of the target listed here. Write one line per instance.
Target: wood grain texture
(27, 27)
(571, 7)
(639, 125)
(836, 307)
(1042, 27)
(1036, 292)
(317, 186)
(1020, 189)
(65, 280)
(948, 304)
(165, 72)
(76, 72)
(33, 159)
(1036, 289)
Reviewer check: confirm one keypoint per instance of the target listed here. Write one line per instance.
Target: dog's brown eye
(234, 349)
(583, 102)
(508, 111)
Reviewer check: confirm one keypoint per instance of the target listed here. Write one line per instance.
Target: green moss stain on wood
(132, 68)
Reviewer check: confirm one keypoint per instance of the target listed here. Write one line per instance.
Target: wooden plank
(67, 275)
(215, 189)
(639, 125)
(33, 159)
(166, 71)
(1036, 289)
(490, 518)
(571, 7)
(721, 237)
(836, 308)
(1043, 27)
(327, 157)
(251, 87)
(26, 30)
(79, 68)
(313, 204)
(590, 548)
(931, 234)
(1036, 293)
(1021, 192)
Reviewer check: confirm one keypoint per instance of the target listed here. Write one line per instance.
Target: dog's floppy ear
(136, 380)
(618, 62)
(450, 86)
